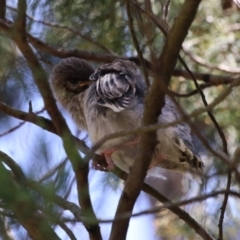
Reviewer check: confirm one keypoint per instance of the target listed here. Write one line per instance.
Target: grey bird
(111, 99)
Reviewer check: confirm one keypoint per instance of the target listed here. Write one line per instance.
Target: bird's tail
(156, 172)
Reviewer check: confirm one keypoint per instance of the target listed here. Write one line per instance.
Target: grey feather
(116, 84)
(115, 102)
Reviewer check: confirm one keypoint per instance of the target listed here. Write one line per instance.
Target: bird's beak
(84, 84)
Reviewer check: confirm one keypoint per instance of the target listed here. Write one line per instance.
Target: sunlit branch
(200, 61)
(193, 92)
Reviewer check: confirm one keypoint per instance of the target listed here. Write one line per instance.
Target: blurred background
(211, 50)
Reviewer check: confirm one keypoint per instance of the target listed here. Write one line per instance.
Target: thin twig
(225, 149)
(136, 43)
(53, 170)
(19, 125)
(224, 204)
(72, 30)
(210, 66)
(67, 230)
(165, 10)
(219, 130)
(12, 129)
(68, 191)
(193, 92)
(170, 204)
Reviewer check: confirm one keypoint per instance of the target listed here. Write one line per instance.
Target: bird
(111, 98)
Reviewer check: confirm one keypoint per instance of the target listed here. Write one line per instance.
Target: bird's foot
(107, 153)
(99, 163)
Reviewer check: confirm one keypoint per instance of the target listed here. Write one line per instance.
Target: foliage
(99, 31)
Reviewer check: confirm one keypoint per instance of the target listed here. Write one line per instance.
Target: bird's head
(70, 77)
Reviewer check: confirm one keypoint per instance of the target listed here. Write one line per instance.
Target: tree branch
(155, 99)
(20, 22)
(200, 61)
(2, 9)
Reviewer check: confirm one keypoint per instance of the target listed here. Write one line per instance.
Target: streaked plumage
(114, 101)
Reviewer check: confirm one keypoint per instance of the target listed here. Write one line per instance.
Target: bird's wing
(188, 154)
(176, 142)
(116, 84)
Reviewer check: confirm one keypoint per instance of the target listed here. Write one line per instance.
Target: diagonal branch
(40, 121)
(12, 129)
(155, 99)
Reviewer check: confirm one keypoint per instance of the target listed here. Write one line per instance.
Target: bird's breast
(102, 124)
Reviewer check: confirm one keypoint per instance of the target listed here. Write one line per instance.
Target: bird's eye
(72, 80)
